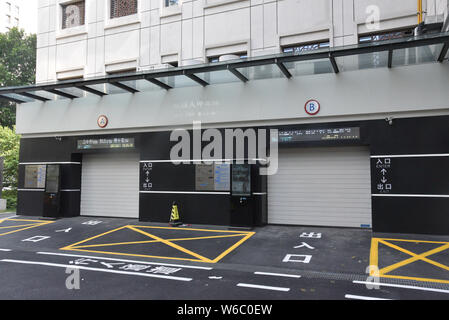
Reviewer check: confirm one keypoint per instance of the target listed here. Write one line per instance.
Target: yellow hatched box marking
(81, 246)
(5, 230)
(384, 272)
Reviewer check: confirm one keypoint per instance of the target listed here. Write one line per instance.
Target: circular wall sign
(102, 121)
(312, 107)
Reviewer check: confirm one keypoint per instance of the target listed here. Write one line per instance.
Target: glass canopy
(430, 48)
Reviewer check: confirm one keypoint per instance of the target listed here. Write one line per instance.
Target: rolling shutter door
(321, 187)
(110, 185)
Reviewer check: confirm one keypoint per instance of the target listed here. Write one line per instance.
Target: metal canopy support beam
(284, 70)
(124, 87)
(390, 58)
(334, 63)
(196, 79)
(159, 83)
(443, 52)
(11, 99)
(238, 74)
(93, 91)
(33, 96)
(62, 94)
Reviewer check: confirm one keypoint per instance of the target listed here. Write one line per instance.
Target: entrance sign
(312, 107)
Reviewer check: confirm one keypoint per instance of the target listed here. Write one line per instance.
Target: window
(386, 36)
(16, 21)
(121, 8)
(169, 3)
(73, 14)
(297, 49)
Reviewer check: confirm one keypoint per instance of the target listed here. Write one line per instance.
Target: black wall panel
(424, 135)
(411, 215)
(193, 208)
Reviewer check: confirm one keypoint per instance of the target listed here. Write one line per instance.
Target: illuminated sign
(106, 143)
(308, 135)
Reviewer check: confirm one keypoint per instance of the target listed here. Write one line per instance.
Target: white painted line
(203, 160)
(412, 155)
(6, 250)
(97, 269)
(31, 190)
(350, 296)
(278, 274)
(412, 195)
(25, 163)
(256, 286)
(124, 260)
(400, 286)
(185, 192)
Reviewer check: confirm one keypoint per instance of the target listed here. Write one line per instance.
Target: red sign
(102, 121)
(312, 107)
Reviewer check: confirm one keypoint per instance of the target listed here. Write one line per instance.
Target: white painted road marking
(278, 274)
(96, 269)
(350, 296)
(401, 286)
(123, 260)
(256, 286)
(6, 250)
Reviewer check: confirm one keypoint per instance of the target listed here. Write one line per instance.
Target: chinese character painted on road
(297, 258)
(310, 235)
(164, 270)
(302, 245)
(134, 267)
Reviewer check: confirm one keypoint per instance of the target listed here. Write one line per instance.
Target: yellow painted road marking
(91, 238)
(32, 226)
(221, 256)
(414, 257)
(246, 235)
(374, 257)
(414, 278)
(173, 245)
(20, 225)
(154, 241)
(171, 228)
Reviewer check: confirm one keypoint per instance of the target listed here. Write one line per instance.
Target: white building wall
(198, 29)
(9, 14)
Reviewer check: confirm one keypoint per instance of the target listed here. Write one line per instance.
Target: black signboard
(330, 134)
(106, 143)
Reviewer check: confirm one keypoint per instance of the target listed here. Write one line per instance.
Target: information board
(213, 177)
(35, 176)
(106, 143)
(330, 134)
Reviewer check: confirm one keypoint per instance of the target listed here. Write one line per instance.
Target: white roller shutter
(110, 185)
(321, 187)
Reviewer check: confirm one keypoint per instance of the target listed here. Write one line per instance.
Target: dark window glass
(121, 8)
(386, 36)
(306, 47)
(169, 3)
(73, 14)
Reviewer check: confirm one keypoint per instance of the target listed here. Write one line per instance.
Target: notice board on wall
(212, 177)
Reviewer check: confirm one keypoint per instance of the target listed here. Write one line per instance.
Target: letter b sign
(312, 107)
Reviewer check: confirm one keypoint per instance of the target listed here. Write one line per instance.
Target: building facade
(362, 128)
(9, 14)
